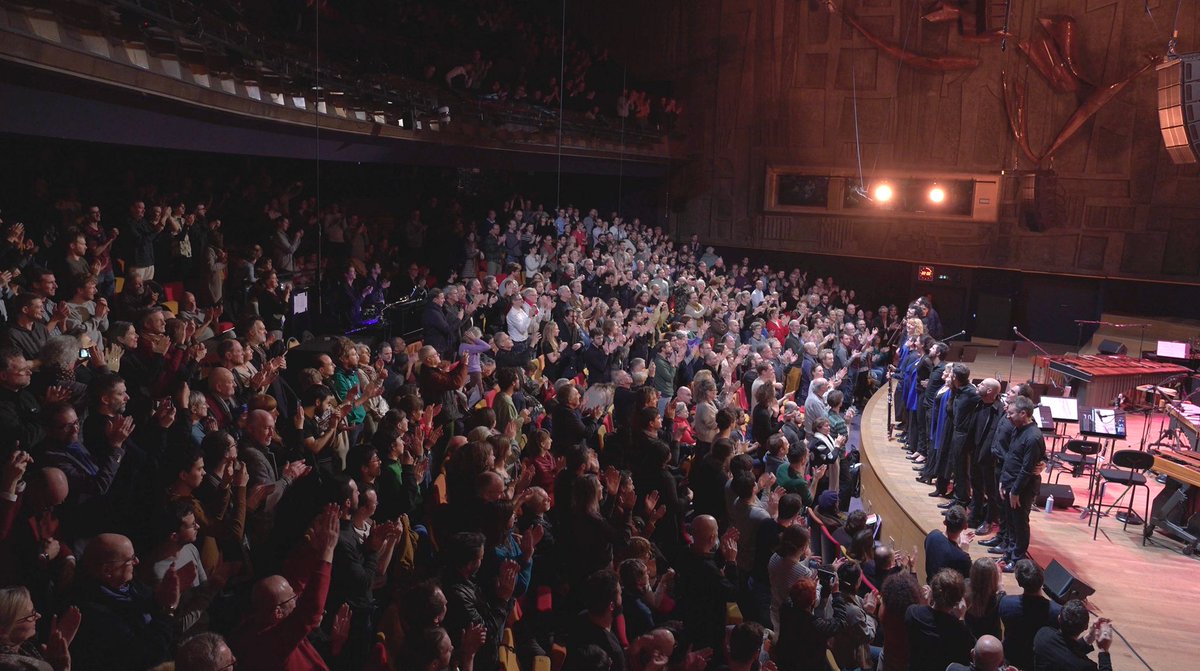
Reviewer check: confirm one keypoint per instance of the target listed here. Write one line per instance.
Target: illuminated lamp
(882, 193)
(937, 195)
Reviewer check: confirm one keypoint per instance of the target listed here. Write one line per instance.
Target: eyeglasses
(228, 666)
(32, 617)
(124, 562)
(283, 603)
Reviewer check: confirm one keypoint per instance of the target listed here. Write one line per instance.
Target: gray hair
(199, 653)
(60, 352)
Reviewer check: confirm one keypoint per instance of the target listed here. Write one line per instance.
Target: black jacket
(1027, 448)
(935, 639)
(941, 552)
(19, 420)
(437, 333)
(353, 572)
(119, 631)
(1052, 651)
(569, 427)
(803, 636)
(705, 584)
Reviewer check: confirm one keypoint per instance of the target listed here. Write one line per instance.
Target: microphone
(1015, 330)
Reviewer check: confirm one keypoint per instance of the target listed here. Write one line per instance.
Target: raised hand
(57, 394)
(295, 470)
(612, 480)
(651, 502)
(506, 581)
(341, 629)
(169, 590)
(324, 532)
(472, 640)
(14, 471)
(118, 431)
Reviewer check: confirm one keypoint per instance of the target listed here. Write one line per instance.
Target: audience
(601, 455)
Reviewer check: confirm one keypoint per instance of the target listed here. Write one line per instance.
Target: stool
(1080, 455)
(1130, 468)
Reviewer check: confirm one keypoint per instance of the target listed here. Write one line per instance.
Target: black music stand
(1108, 425)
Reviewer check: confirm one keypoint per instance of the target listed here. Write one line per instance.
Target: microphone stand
(1035, 346)
(960, 333)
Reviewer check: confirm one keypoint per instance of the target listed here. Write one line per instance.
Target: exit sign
(925, 273)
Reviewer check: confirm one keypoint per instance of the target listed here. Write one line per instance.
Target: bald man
(709, 577)
(35, 551)
(124, 625)
(988, 654)
(285, 611)
(986, 506)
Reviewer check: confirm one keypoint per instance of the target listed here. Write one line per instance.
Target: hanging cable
(862, 183)
(562, 75)
(621, 154)
(317, 154)
(1174, 41)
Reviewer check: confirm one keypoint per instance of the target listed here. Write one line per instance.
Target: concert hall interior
(563, 335)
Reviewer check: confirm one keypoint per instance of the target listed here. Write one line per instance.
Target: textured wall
(774, 81)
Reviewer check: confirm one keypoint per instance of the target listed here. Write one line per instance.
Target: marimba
(1100, 379)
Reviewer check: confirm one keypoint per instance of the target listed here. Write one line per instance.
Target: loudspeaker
(1179, 107)
(1061, 586)
(1064, 496)
(1112, 347)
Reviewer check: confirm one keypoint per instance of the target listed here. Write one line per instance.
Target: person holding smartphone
(1066, 647)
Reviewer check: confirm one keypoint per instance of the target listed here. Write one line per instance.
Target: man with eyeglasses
(89, 475)
(19, 409)
(285, 610)
(125, 624)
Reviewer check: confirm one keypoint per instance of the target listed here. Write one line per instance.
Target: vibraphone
(1100, 379)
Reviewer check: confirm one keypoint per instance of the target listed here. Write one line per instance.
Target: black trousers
(985, 491)
(918, 437)
(1018, 521)
(964, 483)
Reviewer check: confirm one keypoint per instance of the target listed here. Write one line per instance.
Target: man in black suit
(985, 493)
(948, 550)
(355, 566)
(435, 326)
(1061, 648)
(1019, 479)
(962, 420)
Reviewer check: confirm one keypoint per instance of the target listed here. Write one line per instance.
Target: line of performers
(978, 448)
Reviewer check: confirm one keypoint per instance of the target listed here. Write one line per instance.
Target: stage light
(882, 193)
(937, 194)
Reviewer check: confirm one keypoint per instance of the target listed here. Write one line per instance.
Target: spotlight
(937, 194)
(882, 193)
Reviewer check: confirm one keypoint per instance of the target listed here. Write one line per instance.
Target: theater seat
(120, 281)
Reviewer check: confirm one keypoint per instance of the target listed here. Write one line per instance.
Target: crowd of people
(497, 51)
(610, 448)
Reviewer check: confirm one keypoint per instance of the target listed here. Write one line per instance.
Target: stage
(1151, 593)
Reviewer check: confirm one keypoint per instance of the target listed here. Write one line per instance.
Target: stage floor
(1151, 593)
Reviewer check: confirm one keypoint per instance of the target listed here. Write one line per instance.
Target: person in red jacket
(285, 610)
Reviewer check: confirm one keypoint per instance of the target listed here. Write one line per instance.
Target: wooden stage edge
(1151, 593)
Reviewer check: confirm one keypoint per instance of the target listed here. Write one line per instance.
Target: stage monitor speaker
(1179, 107)
(1064, 496)
(1061, 586)
(1112, 347)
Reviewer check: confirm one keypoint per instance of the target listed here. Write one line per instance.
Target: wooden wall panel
(776, 81)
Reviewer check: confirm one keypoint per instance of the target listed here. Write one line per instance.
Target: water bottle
(1049, 504)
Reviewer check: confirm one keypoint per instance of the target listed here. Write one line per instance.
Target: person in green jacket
(791, 476)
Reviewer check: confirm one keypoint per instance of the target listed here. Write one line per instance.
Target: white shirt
(518, 324)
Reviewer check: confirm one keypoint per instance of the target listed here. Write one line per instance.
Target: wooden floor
(1151, 593)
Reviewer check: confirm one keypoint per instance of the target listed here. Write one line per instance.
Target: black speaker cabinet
(1112, 347)
(1064, 496)
(1061, 586)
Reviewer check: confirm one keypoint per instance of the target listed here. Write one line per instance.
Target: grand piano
(1100, 378)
